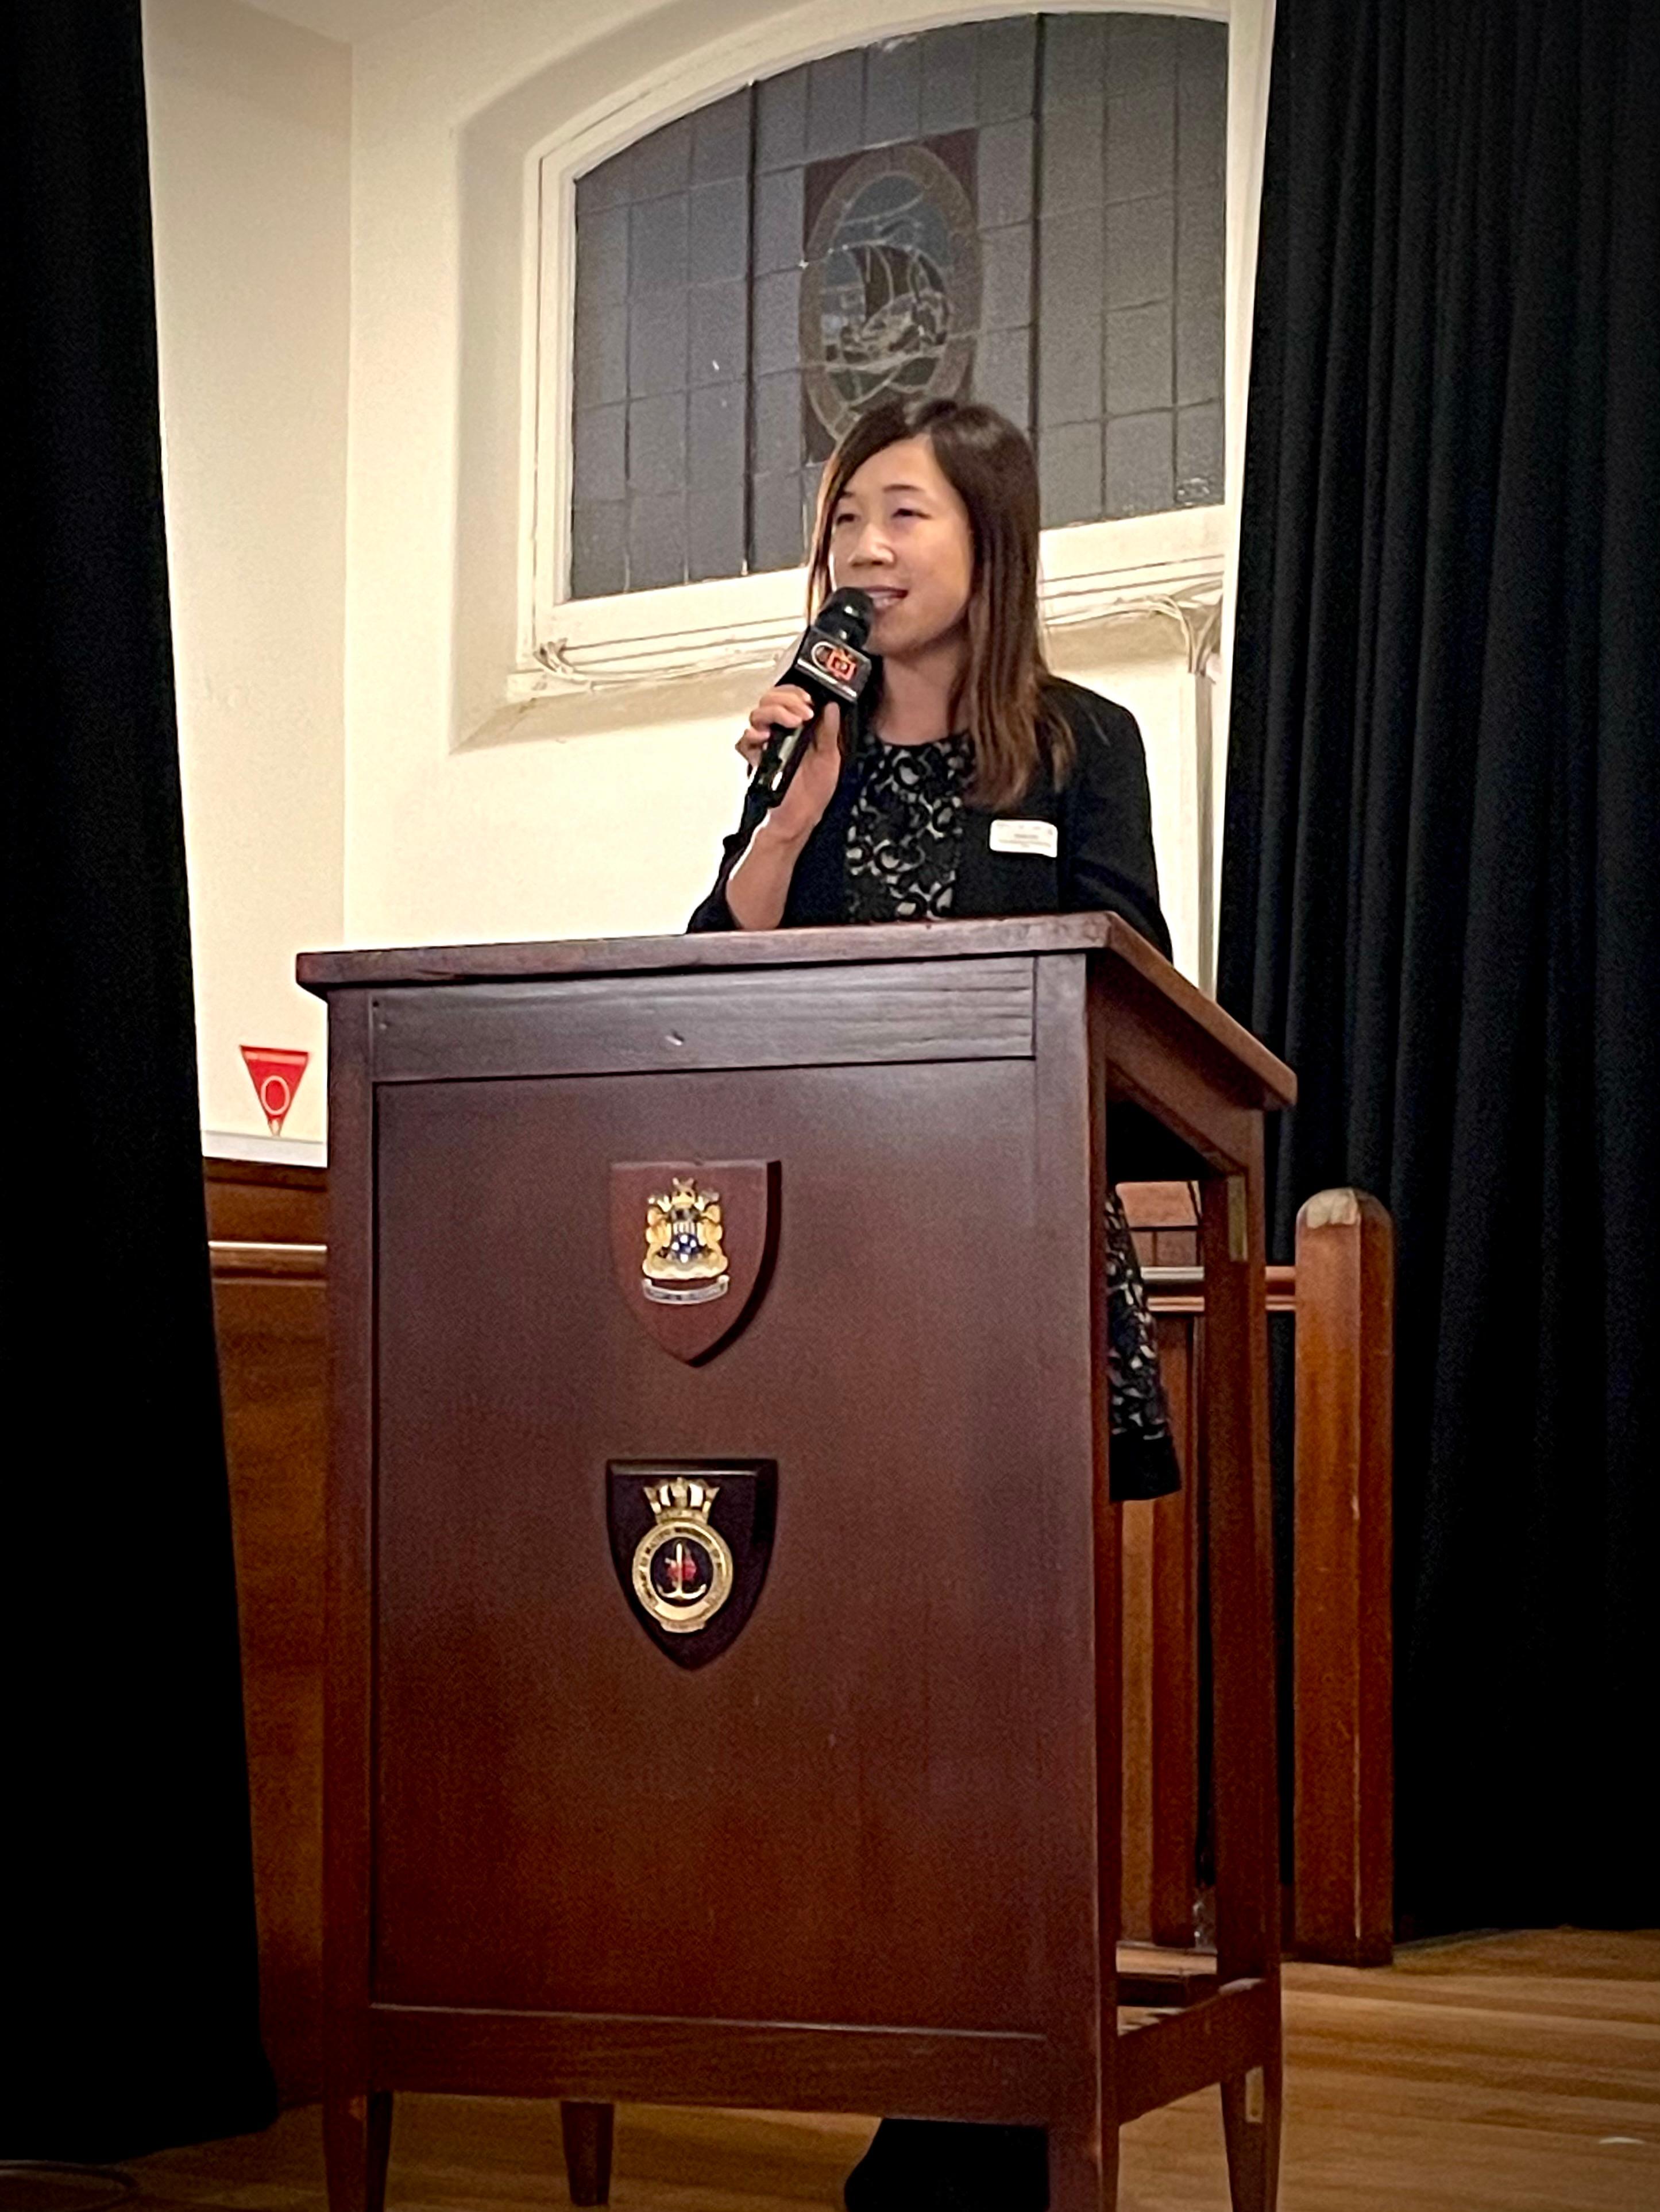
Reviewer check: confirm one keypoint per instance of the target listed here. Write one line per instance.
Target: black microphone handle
(781, 756)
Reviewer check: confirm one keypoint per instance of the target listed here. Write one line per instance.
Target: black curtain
(126, 1913)
(1441, 855)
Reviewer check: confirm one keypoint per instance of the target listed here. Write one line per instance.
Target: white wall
(609, 832)
(250, 159)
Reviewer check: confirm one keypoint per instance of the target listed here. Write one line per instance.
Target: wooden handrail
(228, 1258)
(1182, 1290)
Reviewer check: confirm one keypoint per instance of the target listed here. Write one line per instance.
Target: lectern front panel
(567, 1821)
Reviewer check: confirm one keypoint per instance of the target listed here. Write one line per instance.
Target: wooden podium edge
(1269, 1082)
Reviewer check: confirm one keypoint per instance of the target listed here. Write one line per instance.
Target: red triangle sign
(276, 1076)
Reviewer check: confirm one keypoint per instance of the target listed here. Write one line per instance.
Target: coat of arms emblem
(683, 1265)
(692, 1542)
(692, 1244)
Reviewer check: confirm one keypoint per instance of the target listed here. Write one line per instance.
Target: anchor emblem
(690, 1542)
(682, 1567)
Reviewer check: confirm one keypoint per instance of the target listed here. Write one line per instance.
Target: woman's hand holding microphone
(758, 886)
(787, 706)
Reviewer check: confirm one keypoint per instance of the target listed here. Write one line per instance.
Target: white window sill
(1160, 572)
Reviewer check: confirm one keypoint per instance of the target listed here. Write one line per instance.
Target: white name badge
(1042, 838)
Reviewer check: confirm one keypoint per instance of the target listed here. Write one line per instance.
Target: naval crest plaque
(691, 1541)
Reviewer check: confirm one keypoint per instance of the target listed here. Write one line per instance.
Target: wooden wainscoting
(266, 1225)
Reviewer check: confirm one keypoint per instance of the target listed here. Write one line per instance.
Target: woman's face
(900, 532)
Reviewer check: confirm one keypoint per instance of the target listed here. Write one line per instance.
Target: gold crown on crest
(680, 1495)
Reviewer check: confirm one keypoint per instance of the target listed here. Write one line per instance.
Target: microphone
(830, 663)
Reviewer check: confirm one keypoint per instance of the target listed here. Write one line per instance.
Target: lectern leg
(1251, 2120)
(1245, 1818)
(1083, 2171)
(357, 2143)
(587, 2132)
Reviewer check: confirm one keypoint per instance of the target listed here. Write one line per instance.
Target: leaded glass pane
(1028, 210)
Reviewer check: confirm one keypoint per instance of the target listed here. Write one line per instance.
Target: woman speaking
(968, 781)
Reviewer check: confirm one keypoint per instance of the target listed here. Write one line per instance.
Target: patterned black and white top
(905, 836)
(904, 841)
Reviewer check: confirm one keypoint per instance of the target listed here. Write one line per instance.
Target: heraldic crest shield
(691, 1541)
(684, 1264)
(692, 1246)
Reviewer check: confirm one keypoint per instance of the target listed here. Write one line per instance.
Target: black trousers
(1142, 1451)
(951, 2166)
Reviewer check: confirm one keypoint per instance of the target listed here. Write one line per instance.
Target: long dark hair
(1000, 701)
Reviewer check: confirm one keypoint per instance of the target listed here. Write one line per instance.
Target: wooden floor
(1505, 2074)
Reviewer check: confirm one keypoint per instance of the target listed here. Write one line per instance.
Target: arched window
(1029, 211)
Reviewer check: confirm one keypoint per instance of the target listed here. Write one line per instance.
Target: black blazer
(1104, 859)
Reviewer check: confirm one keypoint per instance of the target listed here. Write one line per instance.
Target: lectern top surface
(1125, 953)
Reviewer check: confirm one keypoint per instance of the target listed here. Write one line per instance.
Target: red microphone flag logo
(838, 662)
(276, 1076)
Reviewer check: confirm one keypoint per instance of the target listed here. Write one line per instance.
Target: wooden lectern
(866, 1858)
